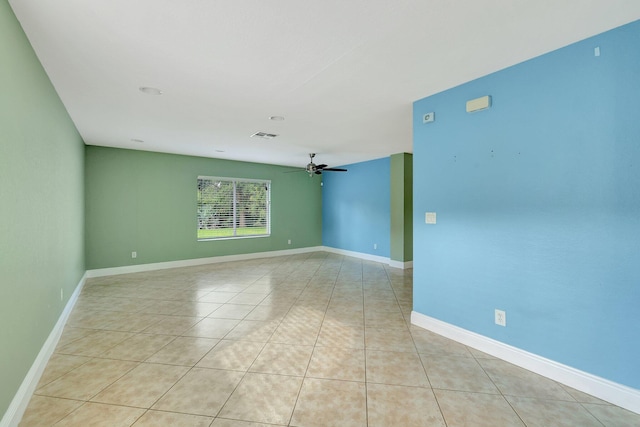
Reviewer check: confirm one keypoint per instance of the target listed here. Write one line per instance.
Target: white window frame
(234, 202)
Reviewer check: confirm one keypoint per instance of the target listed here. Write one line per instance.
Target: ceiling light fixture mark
(150, 90)
(276, 118)
(137, 140)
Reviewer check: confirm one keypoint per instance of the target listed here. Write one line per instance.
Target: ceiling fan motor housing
(318, 169)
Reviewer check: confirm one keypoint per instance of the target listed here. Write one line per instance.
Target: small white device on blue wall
(478, 104)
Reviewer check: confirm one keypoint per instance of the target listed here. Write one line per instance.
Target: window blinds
(232, 207)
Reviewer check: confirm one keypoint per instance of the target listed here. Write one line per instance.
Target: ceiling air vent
(264, 135)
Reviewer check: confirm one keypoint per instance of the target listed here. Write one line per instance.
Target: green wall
(41, 206)
(146, 202)
(402, 207)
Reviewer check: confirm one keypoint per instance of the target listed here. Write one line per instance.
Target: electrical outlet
(501, 318)
(289, 242)
(375, 246)
(134, 254)
(61, 294)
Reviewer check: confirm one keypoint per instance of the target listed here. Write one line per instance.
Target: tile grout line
(366, 378)
(424, 369)
(498, 388)
(295, 404)
(191, 368)
(247, 371)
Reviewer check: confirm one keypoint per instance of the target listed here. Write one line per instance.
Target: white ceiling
(343, 73)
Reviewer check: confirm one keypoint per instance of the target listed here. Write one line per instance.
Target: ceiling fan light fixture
(312, 168)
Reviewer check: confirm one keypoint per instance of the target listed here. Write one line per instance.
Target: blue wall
(356, 208)
(538, 204)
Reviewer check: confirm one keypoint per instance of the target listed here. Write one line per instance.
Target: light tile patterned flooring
(307, 340)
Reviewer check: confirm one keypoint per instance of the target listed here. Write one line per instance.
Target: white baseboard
(618, 394)
(400, 264)
(18, 405)
(197, 261)
(139, 268)
(360, 255)
(369, 257)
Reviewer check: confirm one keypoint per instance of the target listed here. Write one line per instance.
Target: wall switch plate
(430, 218)
(61, 294)
(289, 242)
(134, 254)
(375, 246)
(596, 51)
(501, 317)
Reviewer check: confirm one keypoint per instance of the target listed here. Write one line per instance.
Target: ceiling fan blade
(322, 166)
(334, 170)
(319, 172)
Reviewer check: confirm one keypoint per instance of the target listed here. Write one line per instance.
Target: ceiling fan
(312, 168)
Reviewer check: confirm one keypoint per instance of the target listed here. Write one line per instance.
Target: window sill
(214, 239)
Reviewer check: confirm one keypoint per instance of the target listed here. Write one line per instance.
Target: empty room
(251, 214)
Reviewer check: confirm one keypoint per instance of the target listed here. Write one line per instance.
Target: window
(232, 207)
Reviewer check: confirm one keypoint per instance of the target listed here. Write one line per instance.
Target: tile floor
(307, 340)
